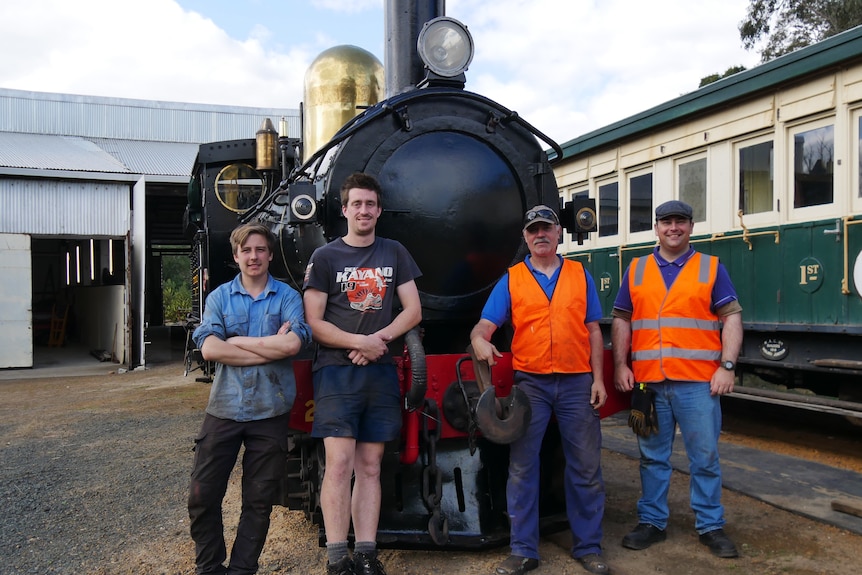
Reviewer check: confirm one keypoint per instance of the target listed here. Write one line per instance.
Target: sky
(566, 66)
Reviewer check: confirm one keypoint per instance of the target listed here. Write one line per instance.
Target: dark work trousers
(263, 467)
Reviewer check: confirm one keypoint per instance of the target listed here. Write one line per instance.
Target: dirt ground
(94, 471)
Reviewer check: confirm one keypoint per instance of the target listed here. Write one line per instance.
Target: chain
(432, 477)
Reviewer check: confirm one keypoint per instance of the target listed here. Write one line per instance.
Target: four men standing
(360, 295)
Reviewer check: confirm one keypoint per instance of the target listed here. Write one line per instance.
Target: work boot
(517, 565)
(594, 563)
(643, 536)
(365, 564)
(343, 566)
(719, 543)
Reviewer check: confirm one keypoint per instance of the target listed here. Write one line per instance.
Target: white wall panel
(16, 327)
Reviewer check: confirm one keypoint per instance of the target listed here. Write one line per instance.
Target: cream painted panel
(603, 163)
(853, 92)
(810, 98)
(743, 120)
(852, 80)
(571, 172)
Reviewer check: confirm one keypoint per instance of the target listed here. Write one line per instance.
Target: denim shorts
(359, 402)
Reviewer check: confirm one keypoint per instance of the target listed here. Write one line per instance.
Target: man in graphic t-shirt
(350, 289)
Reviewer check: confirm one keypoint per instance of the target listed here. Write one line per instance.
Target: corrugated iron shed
(126, 119)
(88, 170)
(151, 158)
(91, 136)
(41, 152)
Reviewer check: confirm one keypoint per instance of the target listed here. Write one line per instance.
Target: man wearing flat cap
(678, 313)
(557, 348)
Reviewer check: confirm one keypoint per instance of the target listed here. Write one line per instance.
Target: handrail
(589, 255)
(746, 234)
(845, 281)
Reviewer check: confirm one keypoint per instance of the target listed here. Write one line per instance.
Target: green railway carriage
(771, 161)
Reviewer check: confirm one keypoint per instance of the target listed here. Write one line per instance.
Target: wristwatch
(728, 365)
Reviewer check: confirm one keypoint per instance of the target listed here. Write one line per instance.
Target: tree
(716, 77)
(787, 25)
(176, 290)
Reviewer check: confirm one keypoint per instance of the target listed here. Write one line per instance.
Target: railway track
(808, 463)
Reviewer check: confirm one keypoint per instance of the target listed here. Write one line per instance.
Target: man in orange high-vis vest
(557, 348)
(678, 313)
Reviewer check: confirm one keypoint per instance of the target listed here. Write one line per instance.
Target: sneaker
(719, 543)
(342, 567)
(517, 565)
(594, 563)
(643, 536)
(364, 564)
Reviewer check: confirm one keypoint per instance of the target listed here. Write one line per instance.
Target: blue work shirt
(250, 393)
(723, 291)
(498, 308)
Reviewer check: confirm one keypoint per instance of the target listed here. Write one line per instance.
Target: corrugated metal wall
(120, 118)
(63, 208)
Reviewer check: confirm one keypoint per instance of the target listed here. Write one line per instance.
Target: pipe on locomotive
(403, 21)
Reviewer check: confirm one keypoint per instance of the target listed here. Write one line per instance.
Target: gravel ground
(94, 471)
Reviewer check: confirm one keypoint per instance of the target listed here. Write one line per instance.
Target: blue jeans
(698, 415)
(567, 397)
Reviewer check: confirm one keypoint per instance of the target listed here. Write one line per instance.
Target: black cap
(674, 208)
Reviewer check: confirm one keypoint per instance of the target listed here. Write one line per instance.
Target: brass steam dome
(339, 81)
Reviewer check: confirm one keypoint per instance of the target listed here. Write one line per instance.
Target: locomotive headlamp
(579, 217)
(303, 203)
(586, 219)
(445, 46)
(303, 208)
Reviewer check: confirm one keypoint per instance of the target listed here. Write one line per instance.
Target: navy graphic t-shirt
(361, 287)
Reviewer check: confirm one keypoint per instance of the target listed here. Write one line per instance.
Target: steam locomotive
(458, 171)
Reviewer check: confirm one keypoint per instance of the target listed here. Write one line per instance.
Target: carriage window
(755, 178)
(813, 153)
(692, 186)
(640, 206)
(609, 206)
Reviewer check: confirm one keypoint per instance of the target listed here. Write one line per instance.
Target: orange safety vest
(675, 334)
(550, 336)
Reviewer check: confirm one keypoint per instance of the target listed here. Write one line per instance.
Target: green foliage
(787, 25)
(176, 289)
(176, 267)
(716, 77)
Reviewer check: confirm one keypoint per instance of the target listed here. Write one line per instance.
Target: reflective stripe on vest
(675, 334)
(550, 336)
